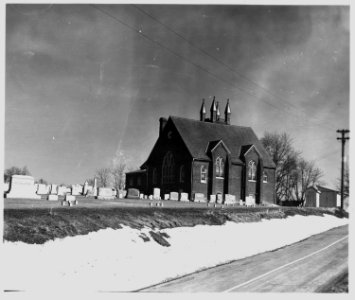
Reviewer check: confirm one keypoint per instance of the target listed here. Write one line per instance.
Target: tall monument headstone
(85, 188)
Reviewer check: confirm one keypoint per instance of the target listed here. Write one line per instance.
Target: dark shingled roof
(197, 135)
(324, 189)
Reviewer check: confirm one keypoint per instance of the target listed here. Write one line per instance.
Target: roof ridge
(198, 121)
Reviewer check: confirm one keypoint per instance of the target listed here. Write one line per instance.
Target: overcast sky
(81, 86)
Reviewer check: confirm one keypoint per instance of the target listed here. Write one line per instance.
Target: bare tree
(104, 177)
(25, 171)
(279, 147)
(119, 166)
(15, 171)
(306, 176)
(91, 181)
(42, 181)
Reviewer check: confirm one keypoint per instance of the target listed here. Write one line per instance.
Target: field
(38, 221)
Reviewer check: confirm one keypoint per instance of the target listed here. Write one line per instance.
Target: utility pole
(343, 139)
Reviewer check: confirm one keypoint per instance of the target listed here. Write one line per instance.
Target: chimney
(162, 123)
(203, 111)
(218, 113)
(213, 111)
(227, 113)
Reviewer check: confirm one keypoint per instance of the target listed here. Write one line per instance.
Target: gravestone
(54, 189)
(120, 195)
(141, 196)
(133, 193)
(62, 190)
(105, 194)
(212, 198)
(22, 186)
(184, 197)
(249, 201)
(156, 194)
(199, 197)
(219, 198)
(230, 199)
(94, 189)
(69, 197)
(52, 197)
(76, 189)
(150, 197)
(174, 196)
(166, 196)
(85, 188)
(89, 191)
(42, 189)
(241, 202)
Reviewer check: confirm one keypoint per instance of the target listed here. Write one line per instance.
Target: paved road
(302, 267)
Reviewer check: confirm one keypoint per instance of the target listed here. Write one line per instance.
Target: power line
(176, 54)
(185, 59)
(216, 59)
(203, 51)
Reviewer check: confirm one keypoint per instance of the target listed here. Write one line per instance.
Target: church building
(207, 156)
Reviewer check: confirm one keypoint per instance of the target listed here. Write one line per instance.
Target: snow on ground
(120, 260)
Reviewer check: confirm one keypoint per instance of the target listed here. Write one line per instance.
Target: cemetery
(23, 188)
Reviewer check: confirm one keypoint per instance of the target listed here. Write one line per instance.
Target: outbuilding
(320, 196)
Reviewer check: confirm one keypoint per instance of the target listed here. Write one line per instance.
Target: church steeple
(213, 111)
(227, 113)
(203, 111)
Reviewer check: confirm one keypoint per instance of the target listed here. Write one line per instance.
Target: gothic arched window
(219, 167)
(252, 170)
(168, 168)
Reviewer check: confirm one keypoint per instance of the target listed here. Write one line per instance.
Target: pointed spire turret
(227, 113)
(203, 111)
(213, 110)
(218, 113)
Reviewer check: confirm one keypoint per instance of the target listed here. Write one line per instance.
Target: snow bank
(120, 260)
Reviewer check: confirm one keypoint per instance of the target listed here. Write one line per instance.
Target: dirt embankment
(41, 225)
